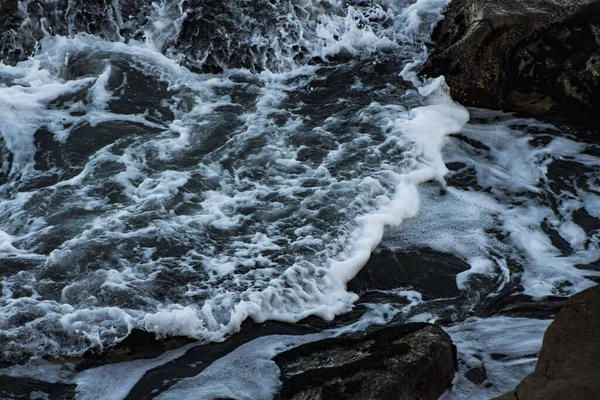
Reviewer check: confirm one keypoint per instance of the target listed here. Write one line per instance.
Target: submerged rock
(569, 360)
(138, 345)
(538, 57)
(26, 388)
(431, 273)
(410, 361)
(520, 306)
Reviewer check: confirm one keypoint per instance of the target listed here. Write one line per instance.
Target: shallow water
(180, 182)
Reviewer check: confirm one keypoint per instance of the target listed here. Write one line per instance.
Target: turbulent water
(180, 167)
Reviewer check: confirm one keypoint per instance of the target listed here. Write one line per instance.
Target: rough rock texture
(540, 57)
(410, 361)
(569, 362)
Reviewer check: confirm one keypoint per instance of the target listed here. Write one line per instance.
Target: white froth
(115, 381)
(291, 297)
(252, 228)
(99, 93)
(506, 221)
(24, 110)
(350, 37)
(479, 265)
(427, 128)
(111, 381)
(514, 343)
(257, 376)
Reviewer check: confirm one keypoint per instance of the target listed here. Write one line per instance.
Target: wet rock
(537, 57)
(27, 388)
(198, 358)
(410, 361)
(212, 34)
(138, 345)
(569, 360)
(431, 273)
(477, 375)
(520, 306)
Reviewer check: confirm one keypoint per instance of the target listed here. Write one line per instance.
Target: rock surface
(15, 388)
(569, 360)
(431, 273)
(539, 57)
(410, 361)
(138, 345)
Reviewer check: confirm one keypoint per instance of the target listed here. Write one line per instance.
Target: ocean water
(183, 167)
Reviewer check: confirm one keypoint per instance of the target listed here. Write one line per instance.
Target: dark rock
(27, 388)
(429, 272)
(211, 35)
(214, 34)
(198, 358)
(539, 57)
(410, 361)
(138, 345)
(569, 360)
(520, 306)
(477, 375)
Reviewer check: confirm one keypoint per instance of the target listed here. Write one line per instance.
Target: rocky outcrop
(539, 57)
(410, 361)
(569, 360)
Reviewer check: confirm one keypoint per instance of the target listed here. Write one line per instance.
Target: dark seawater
(223, 171)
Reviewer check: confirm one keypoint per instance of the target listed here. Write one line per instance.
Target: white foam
(353, 36)
(426, 127)
(149, 208)
(506, 221)
(518, 340)
(290, 298)
(115, 381)
(99, 94)
(111, 381)
(257, 376)
(24, 110)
